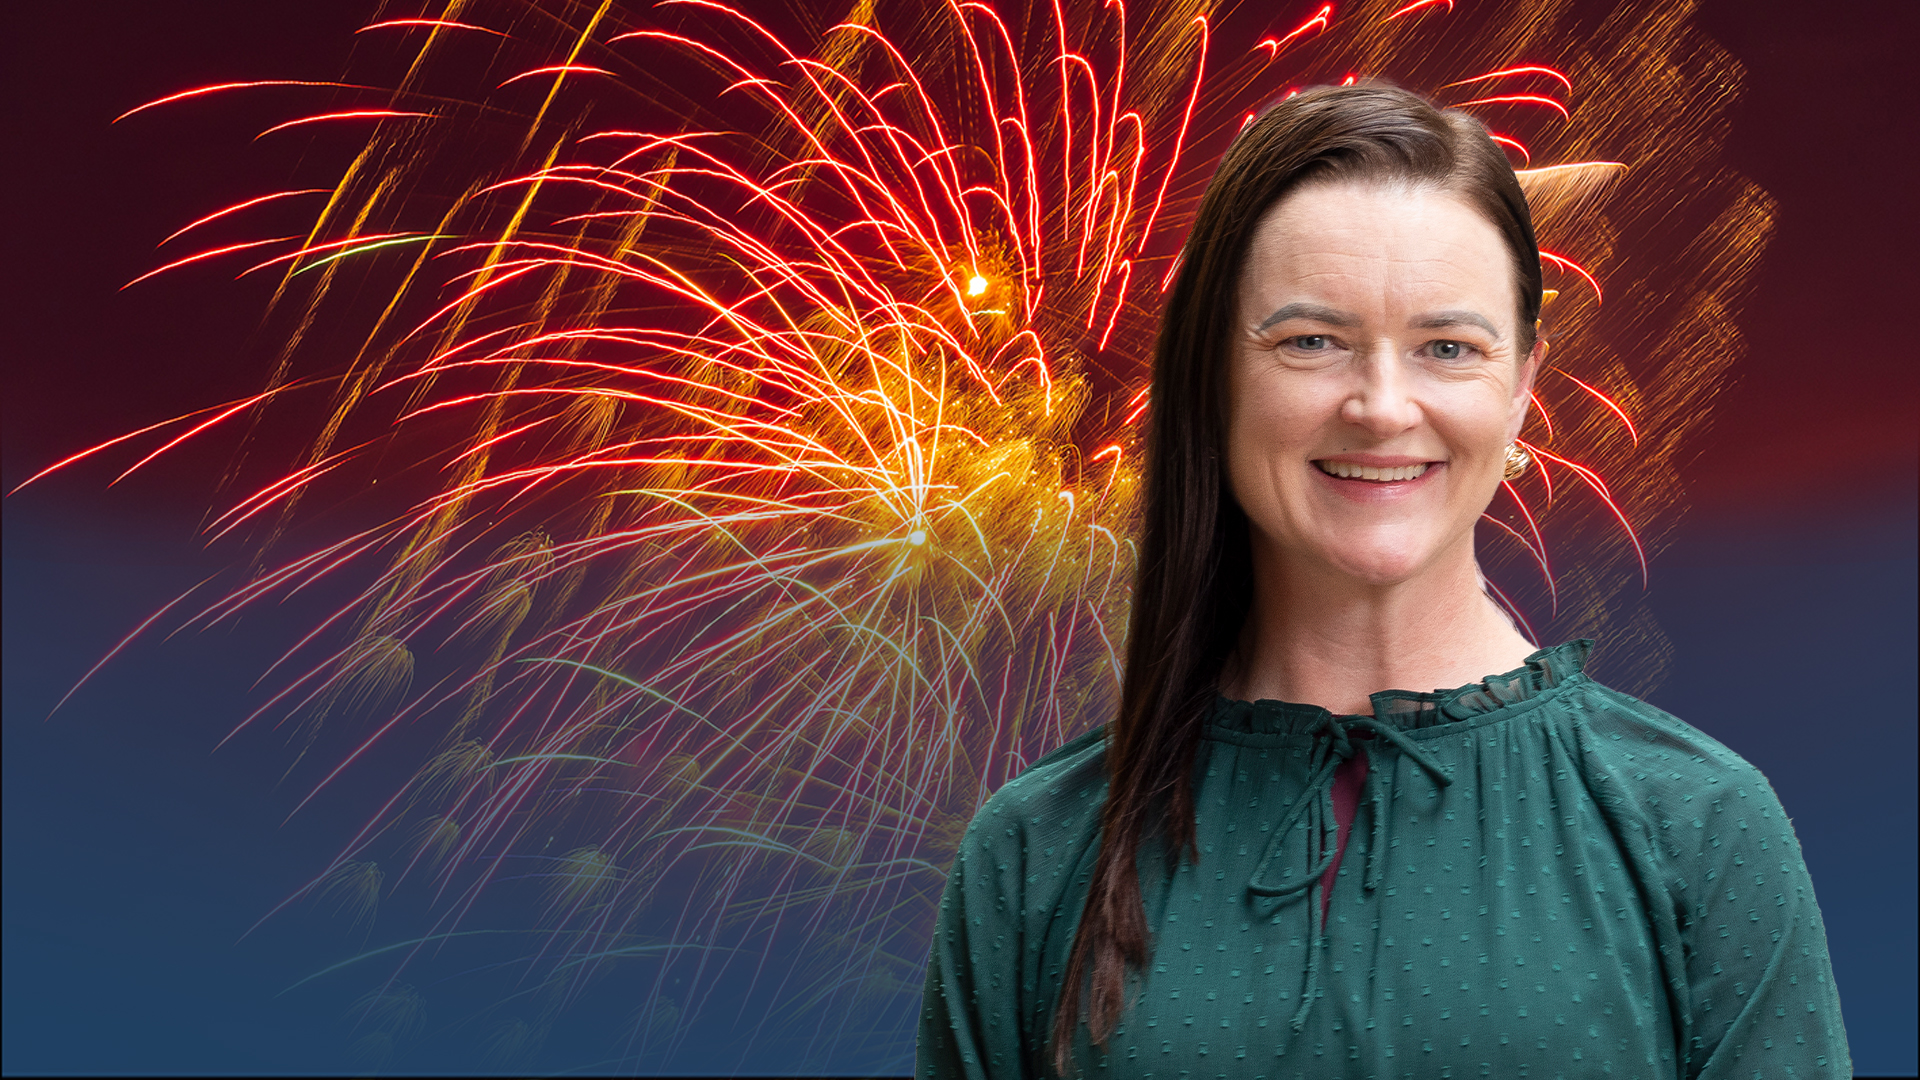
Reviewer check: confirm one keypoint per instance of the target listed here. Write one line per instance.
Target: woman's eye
(1449, 350)
(1311, 342)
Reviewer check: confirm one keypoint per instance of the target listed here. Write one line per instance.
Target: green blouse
(1545, 878)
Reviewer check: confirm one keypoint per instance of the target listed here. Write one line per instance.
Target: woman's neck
(1316, 637)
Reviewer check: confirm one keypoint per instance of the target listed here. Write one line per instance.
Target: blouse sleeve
(1759, 995)
(970, 1011)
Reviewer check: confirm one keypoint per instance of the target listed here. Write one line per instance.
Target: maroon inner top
(1348, 780)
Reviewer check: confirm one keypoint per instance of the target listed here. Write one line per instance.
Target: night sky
(136, 858)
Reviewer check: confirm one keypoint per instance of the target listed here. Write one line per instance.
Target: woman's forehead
(1363, 217)
(1374, 242)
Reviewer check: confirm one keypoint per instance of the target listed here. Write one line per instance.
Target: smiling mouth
(1348, 471)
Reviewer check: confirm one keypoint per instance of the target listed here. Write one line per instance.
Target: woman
(1530, 875)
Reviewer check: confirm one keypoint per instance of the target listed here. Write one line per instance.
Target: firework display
(756, 396)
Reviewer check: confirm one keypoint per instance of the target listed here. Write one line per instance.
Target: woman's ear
(1523, 388)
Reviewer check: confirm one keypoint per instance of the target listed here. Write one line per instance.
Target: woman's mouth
(1346, 470)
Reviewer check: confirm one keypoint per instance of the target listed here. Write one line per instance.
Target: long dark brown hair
(1193, 585)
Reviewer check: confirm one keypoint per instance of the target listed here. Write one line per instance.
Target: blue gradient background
(136, 857)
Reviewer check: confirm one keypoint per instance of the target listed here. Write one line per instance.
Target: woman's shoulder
(1054, 799)
(1629, 733)
(1670, 775)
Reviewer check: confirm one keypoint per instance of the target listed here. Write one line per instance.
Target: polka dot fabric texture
(1544, 878)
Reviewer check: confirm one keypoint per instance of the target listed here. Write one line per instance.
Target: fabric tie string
(1332, 745)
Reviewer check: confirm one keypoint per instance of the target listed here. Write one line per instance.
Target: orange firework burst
(782, 384)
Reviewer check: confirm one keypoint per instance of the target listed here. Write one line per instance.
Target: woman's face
(1374, 381)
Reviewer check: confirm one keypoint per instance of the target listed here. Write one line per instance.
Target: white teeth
(1350, 471)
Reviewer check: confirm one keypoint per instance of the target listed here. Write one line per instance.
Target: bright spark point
(974, 288)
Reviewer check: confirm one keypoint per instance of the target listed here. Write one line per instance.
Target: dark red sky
(1824, 415)
(1828, 127)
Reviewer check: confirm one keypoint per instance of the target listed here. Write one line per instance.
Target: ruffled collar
(1408, 710)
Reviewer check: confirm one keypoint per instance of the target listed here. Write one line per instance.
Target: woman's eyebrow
(1440, 320)
(1317, 312)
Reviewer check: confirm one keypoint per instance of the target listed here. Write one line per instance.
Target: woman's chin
(1382, 566)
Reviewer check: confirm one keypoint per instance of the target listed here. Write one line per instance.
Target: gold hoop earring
(1517, 462)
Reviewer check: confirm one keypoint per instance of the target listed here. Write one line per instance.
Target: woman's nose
(1380, 398)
